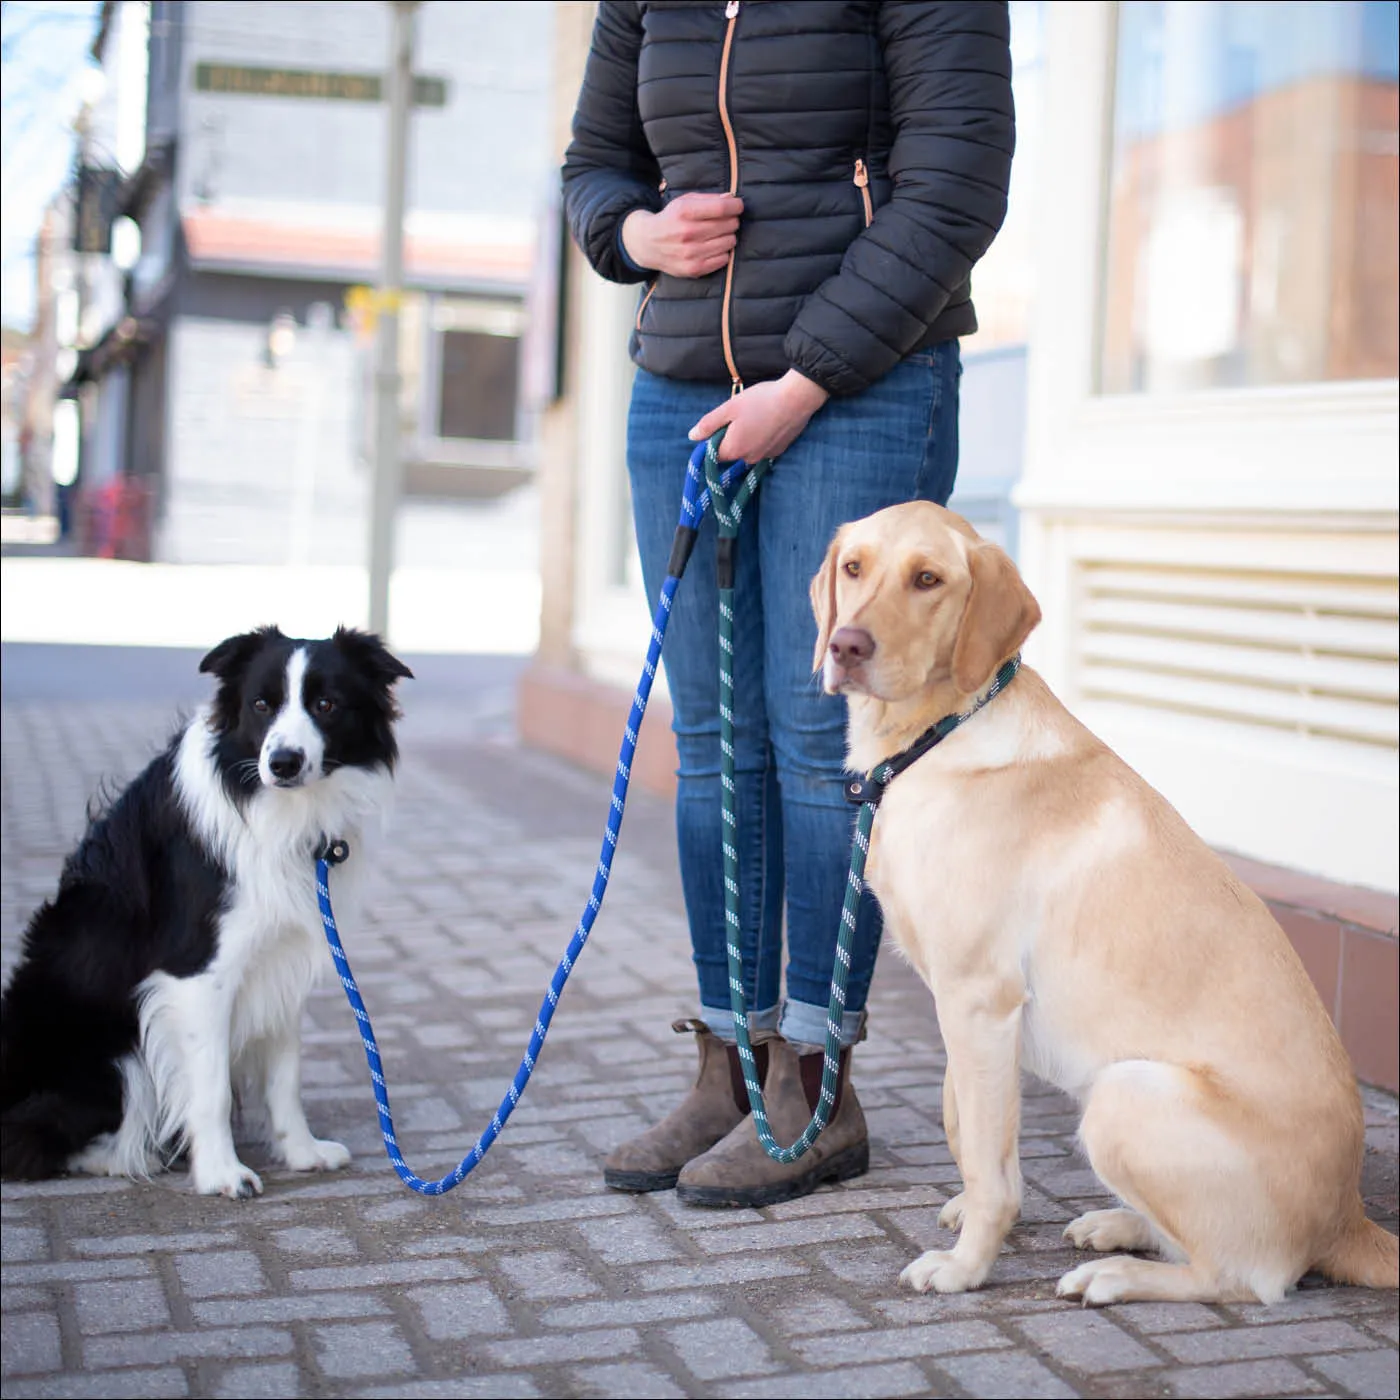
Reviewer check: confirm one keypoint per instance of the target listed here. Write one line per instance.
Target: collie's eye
(926, 580)
(852, 568)
(325, 705)
(261, 707)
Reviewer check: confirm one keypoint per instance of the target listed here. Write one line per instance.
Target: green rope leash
(728, 514)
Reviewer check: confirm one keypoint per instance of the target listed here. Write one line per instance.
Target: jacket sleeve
(948, 67)
(609, 169)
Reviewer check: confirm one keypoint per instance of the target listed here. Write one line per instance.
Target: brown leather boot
(738, 1172)
(652, 1161)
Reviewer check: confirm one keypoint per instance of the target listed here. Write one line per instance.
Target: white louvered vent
(1306, 653)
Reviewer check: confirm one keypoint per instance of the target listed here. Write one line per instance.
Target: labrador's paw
(1108, 1230)
(951, 1216)
(943, 1272)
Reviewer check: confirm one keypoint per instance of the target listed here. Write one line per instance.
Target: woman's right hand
(691, 237)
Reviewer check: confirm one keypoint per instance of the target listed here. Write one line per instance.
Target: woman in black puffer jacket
(804, 187)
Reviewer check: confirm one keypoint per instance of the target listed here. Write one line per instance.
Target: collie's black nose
(851, 645)
(286, 764)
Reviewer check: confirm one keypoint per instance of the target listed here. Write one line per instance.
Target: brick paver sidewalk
(532, 1279)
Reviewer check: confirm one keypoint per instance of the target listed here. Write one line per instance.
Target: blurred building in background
(229, 196)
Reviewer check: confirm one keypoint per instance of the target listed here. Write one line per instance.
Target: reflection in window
(1253, 230)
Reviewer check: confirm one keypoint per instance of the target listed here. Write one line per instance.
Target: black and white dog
(170, 970)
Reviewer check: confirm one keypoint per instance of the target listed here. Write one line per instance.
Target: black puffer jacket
(870, 142)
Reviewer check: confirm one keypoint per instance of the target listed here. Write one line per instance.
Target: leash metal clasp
(334, 851)
(859, 791)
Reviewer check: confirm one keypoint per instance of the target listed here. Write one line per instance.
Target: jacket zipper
(645, 299)
(731, 13)
(862, 183)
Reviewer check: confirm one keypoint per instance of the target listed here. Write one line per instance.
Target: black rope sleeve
(681, 547)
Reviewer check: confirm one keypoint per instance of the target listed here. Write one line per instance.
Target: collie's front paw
(316, 1155)
(237, 1182)
(943, 1272)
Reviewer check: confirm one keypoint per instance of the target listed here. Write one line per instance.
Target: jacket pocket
(861, 180)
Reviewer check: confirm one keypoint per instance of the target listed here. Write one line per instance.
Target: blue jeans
(898, 441)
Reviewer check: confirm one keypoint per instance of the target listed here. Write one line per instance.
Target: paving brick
(722, 1348)
(996, 1374)
(547, 1273)
(896, 1343)
(1088, 1341)
(547, 1351)
(1362, 1372)
(632, 1239)
(725, 1271)
(174, 1243)
(258, 1382)
(801, 1313)
(453, 1310)
(506, 1387)
(153, 1384)
(1281, 1339)
(1152, 1318)
(180, 1346)
(31, 1343)
(22, 1242)
(75, 1271)
(238, 1312)
(217, 1275)
(125, 1305)
(1272, 1377)
(323, 1244)
(787, 1233)
(626, 1380)
(857, 1382)
(354, 1351)
(377, 1275)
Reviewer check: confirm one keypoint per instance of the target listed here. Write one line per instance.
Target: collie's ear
(367, 650)
(234, 653)
(823, 595)
(1000, 614)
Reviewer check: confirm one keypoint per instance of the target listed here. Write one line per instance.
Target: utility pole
(388, 466)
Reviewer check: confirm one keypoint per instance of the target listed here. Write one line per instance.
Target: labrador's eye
(927, 579)
(261, 707)
(325, 705)
(852, 568)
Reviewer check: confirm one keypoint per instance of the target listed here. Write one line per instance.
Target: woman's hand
(763, 421)
(691, 237)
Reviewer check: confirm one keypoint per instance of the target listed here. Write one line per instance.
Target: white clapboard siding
(1302, 652)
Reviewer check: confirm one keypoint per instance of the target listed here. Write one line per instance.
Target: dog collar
(871, 788)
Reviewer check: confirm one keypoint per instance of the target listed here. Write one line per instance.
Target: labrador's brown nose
(850, 646)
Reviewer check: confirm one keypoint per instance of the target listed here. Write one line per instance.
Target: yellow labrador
(1067, 920)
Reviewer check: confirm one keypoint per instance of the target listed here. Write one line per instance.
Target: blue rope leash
(695, 500)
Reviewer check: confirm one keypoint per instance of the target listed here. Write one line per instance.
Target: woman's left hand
(763, 421)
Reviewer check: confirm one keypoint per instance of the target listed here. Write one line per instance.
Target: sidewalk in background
(531, 1279)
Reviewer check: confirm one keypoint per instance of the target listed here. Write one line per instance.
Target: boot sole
(852, 1161)
(639, 1183)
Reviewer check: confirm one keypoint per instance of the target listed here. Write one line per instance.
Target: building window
(470, 370)
(478, 386)
(1253, 235)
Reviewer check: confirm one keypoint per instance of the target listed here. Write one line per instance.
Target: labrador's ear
(823, 595)
(1000, 614)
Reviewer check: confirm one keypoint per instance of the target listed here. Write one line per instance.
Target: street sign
(245, 81)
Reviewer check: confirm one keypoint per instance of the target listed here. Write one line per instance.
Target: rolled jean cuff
(721, 1021)
(805, 1024)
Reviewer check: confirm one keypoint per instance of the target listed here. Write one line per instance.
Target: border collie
(170, 971)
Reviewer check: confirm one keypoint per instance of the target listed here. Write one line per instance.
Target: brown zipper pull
(862, 183)
(736, 385)
(661, 188)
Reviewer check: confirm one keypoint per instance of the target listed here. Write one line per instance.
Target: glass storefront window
(1253, 234)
